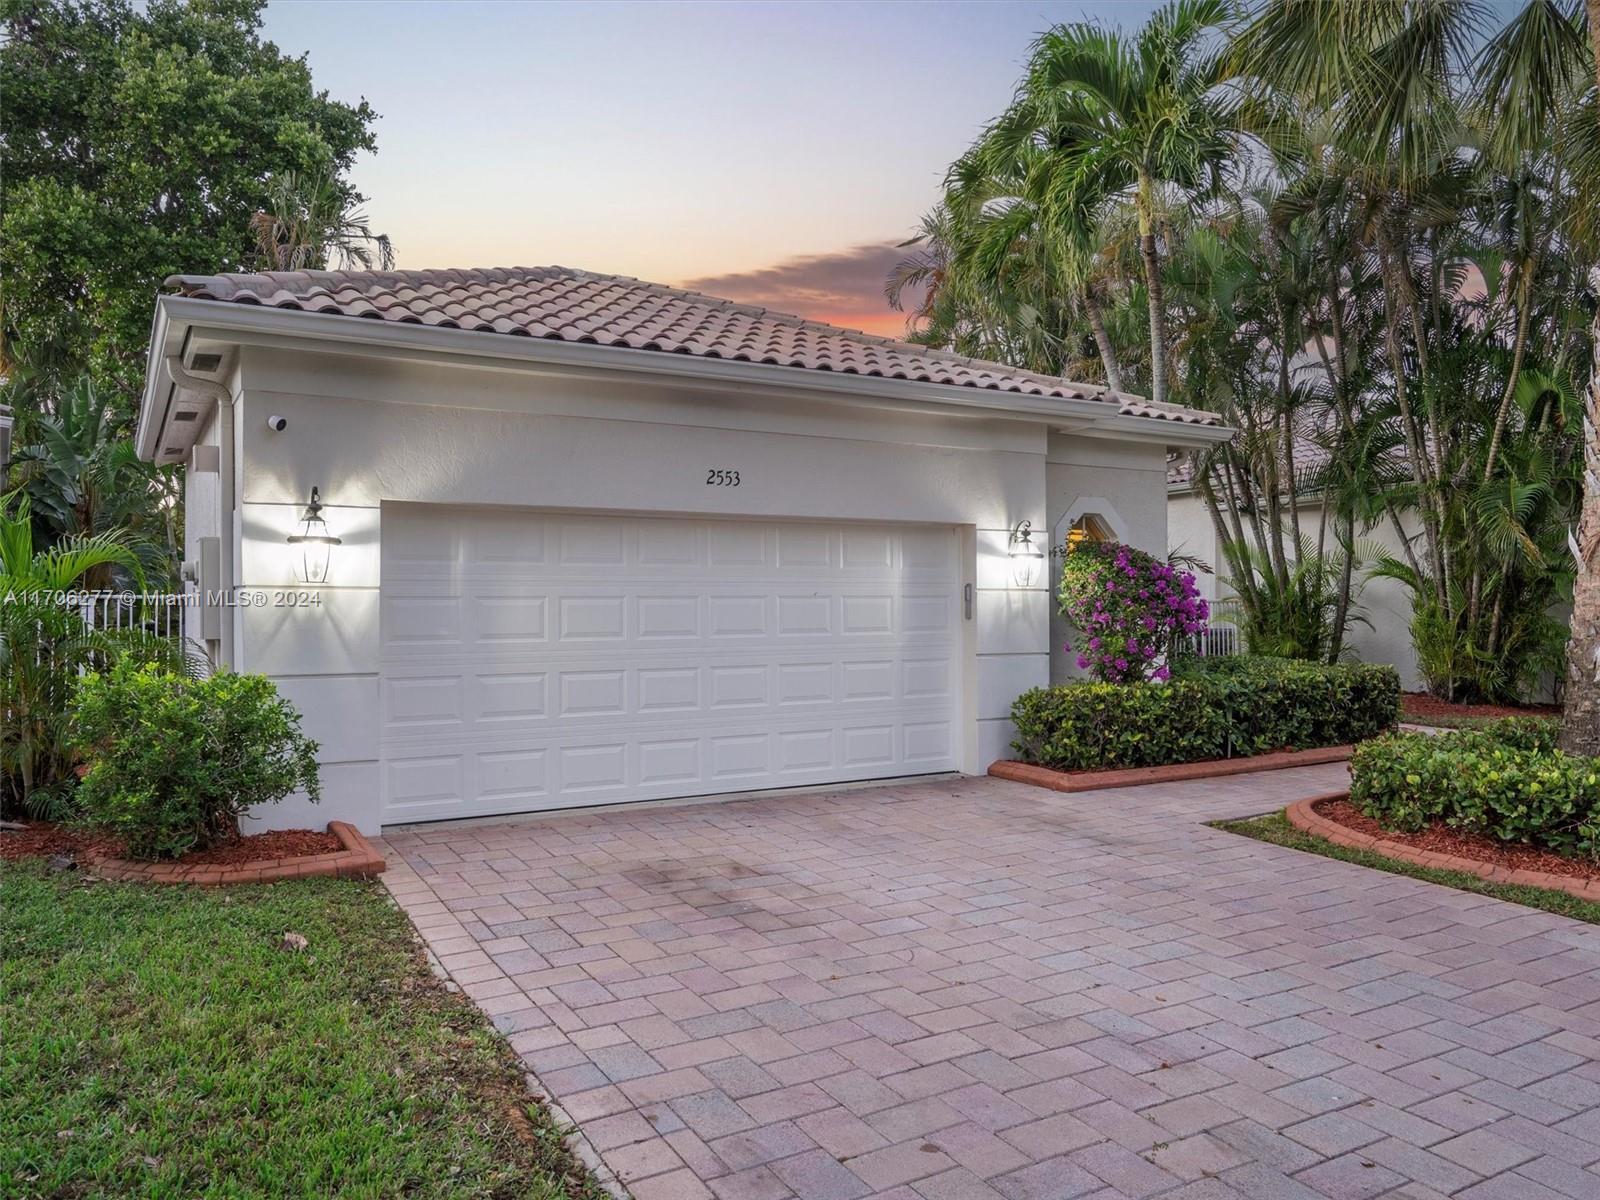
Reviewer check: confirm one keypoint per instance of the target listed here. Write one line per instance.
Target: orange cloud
(842, 288)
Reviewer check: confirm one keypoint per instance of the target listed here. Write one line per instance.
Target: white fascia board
(297, 329)
(157, 386)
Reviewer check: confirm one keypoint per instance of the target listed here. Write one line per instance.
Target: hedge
(1213, 708)
(1506, 781)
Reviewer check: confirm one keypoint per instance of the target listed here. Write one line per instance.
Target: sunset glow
(774, 154)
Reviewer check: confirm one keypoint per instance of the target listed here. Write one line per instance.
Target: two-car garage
(534, 660)
(602, 541)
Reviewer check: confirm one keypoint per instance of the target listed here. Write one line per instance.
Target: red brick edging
(356, 860)
(1088, 781)
(1303, 816)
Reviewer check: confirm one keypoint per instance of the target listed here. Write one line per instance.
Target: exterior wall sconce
(315, 542)
(1026, 558)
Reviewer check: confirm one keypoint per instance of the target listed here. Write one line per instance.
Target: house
(600, 540)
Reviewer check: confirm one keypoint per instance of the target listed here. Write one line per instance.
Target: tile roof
(612, 310)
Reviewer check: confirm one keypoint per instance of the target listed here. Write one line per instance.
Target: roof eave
(267, 326)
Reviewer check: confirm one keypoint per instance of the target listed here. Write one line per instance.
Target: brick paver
(975, 988)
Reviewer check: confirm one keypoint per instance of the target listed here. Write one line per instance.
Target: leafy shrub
(175, 761)
(1508, 782)
(1130, 609)
(1278, 703)
(1213, 708)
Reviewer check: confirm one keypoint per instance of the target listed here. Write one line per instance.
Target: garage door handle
(966, 597)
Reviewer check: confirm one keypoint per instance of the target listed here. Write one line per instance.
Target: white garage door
(537, 661)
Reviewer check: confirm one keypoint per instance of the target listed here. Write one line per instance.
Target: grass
(1275, 828)
(159, 1043)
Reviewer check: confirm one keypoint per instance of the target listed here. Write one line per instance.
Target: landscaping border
(1304, 817)
(356, 860)
(1089, 781)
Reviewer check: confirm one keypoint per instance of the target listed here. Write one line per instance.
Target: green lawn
(1275, 828)
(157, 1042)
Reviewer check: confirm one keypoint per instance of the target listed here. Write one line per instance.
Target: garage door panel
(536, 661)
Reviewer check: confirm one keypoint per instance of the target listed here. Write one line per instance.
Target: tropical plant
(310, 223)
(1457, 160)
(44, 644)
(78, 467)
(1363, 232)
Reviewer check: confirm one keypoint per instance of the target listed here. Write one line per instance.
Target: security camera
(277, 424)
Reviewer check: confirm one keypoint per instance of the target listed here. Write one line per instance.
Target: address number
(719, 478)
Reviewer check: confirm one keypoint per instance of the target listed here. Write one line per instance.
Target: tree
(1454, 149)
(141, 141)
(1127, 117)
(311, 225)
(1580, 724)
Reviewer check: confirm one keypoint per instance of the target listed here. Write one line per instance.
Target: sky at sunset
(772, 153)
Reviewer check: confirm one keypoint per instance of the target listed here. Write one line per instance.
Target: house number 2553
(716, 477)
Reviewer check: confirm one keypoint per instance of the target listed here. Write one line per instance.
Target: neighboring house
(1381, 631)
(605, 541)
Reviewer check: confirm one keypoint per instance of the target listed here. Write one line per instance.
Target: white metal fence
(160, 615)
(1216, 641)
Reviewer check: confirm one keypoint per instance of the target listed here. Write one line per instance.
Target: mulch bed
(279, 843)
(42, 839)
(1418, 706)
(1441, 839)
(1211, 768)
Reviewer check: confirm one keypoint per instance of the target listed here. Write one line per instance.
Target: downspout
(227, 471)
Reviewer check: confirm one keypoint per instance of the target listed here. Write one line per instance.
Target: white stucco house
(602, 541)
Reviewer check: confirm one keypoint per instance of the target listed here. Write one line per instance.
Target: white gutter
(293, 328)
(228, 476)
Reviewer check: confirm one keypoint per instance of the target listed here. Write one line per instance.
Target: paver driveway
(971, 988)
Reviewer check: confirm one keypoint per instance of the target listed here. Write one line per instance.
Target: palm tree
(1021, 234)
(1134, 118)
(1580, 724)
(309, 224)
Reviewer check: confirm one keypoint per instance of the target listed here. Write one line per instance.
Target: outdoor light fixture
(315, 542)
(1026, 558)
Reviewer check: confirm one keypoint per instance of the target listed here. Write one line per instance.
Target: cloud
(844, 287)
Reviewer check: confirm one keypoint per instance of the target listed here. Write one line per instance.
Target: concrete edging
(1303, 816)
(1089, 781)
(356, 860)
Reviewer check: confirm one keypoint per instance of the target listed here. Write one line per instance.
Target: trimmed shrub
(1220, 708)
(1508, 782)
(175, 761)
(1086, 726)
(1286, 703)
(1131, 610)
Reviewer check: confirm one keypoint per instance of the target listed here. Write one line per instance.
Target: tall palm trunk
(1146, 203)
(1102, 339)
(1580, 718)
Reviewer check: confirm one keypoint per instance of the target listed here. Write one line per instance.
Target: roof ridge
(510, 274)
(573, 304)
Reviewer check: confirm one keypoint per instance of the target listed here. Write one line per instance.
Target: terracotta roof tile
(578, 306)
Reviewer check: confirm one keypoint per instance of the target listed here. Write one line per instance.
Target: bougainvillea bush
(1130, 609)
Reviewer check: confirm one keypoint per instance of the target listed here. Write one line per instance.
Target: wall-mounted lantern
(1026, 558)
(315, 542)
